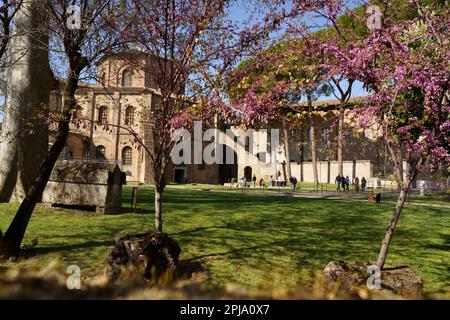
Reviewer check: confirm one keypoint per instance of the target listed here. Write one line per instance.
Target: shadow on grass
(39, 250)
(187, 268)
(125, 210)
(195, 230)
(445, 246)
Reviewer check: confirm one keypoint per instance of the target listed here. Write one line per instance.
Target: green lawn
(435, 198)
(255, 241)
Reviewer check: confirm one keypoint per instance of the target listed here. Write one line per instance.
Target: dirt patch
(397, 280)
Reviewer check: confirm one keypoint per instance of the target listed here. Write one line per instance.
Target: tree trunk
(286, 150)
(24, 137)
(313, 143)
(340, 143)
(8, 156)
(404, 183)
(391, 226)
(448, 181)
(344, 98)
(158, 209)
(16, 231)
(314, 157)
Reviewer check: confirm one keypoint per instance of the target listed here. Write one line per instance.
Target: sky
(240, 11)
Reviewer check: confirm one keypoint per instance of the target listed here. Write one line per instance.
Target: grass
(255, 241)
(434, 198)
(440, 198)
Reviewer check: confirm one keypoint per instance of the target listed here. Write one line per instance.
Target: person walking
(261, 182)
(254, 181)
(356, 182)
(347, 182)
(271, 181)
(338, 183)
(363, 184)
(422, 187)
(294, 183)
(245, 184)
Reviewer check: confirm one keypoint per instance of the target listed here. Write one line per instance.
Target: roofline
(119, 54)
(332, 102)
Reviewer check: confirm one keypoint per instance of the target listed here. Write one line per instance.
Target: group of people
(243, 182)
(260, 182)
(278, 182)
(345, 183)
(341, 183)
(282, 183)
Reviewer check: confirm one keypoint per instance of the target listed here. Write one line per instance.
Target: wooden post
(134, 194)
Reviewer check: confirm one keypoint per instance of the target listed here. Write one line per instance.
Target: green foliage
(402, 114)
(352, 26)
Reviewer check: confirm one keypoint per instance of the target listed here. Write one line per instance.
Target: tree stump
(155, 255)
(399, 280)
(374, 198)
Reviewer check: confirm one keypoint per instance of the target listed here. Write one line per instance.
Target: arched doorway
(248, 173)
(100, 152)
(179, 175)
(227, 171)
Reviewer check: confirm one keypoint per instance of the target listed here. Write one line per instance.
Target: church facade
(109, 111)
(123, 94)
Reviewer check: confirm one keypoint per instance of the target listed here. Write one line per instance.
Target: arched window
(247, 144)
(126, 78)
(103, 115)
(100, 152)
(129, 115)
(127, 156)
(248, 173)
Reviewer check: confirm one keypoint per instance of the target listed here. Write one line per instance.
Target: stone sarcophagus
(86, 185)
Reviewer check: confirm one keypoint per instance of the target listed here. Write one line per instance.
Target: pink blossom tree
(404, 64)
(192, 45)
(272, 86)
(400, 55)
